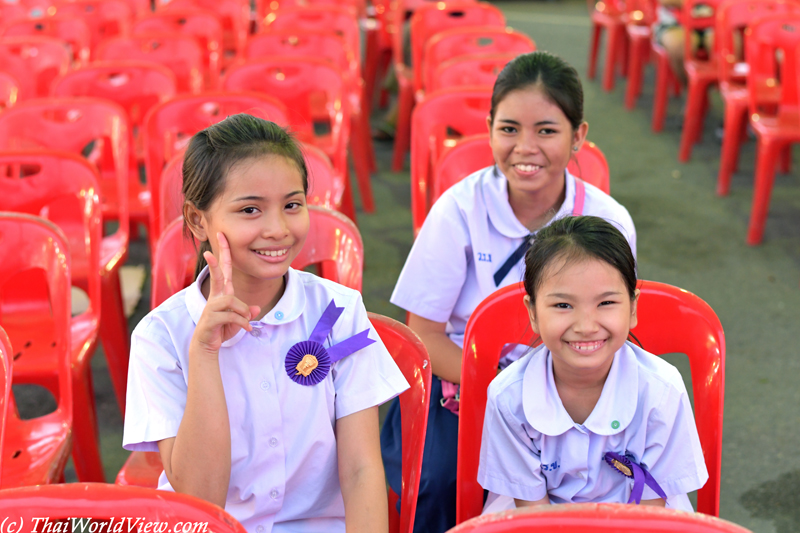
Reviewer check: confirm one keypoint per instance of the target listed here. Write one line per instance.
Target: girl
(473, 242)
(565, 421)
(240, 381)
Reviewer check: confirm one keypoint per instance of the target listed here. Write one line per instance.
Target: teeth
(527, 168)
(273, 253)
(586, 346)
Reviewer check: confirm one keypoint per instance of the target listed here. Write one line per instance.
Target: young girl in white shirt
(259, 384)
(473, 242)
(588, 416)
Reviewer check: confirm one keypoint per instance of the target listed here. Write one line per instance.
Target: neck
(262, 293)
(535, 209)
(572, 379)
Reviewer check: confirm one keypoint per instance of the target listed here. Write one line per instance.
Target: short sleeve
(510, 465)
(369, 376)
(436, 268)
(156, 397)
(672, 452)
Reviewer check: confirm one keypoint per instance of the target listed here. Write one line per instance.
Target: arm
(543, 501)
(658, 502)
(197, 460)
(361, 474)
(445, 354)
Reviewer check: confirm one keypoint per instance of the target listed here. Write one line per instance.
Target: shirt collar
(614, 410)
(288, 308)
(495, 191)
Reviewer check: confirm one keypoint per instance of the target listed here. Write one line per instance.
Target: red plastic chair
(34, 61)
(9, 90)
(734, 16)
(106, 18)
(776, 127)
(639, 16)
(204, 26)
(665, 79)
(473, 153)
(234, 15)
(136, 86)
(73, 30)
(35, 313)
(71, 124)
(462, 71)
(98, 501)
(607, 15)
(451, 44)
(671, 320)
(428, 20)
(582, 517)
(23, 9)
(455, 110)
(169, 125)
(179, 53)
(6, 358)
(407, 350)
(701, 73)
(266, 7)
(64, 186)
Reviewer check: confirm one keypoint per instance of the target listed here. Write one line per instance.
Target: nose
(275, 225)
(526, 142)
(586, 322)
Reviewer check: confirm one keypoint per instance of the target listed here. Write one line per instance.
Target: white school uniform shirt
(284, 474)
(532, 448)
(469, 233)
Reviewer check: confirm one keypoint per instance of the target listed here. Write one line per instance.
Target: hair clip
(625, 465)
(308, 362)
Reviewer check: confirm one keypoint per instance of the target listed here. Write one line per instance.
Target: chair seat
(142, 469)
(113, 253)
(36, 450)
(782, 127)
(138, 195)
(705, 70)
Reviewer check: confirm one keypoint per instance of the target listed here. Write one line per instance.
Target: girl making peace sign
(259, 384)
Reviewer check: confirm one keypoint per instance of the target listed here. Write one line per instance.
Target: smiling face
(263, 214)
(583, 313)
(532, 141)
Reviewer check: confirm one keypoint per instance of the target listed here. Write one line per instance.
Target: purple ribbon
(309, 362)
(625, 465)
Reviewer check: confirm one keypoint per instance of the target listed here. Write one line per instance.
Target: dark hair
(575, 239)
(551, 74)
(215, 150)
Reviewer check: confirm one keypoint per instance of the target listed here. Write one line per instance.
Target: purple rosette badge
(309, 362)
(625, 465)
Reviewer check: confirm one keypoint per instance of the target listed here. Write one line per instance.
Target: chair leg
(624, 52)
(86, 448)
(114, 334)
(597, 31)
(735, 115)
(402, 137)
(359, 145)
(786, 159)
(660, 95)
(692, 118)
(638, 50)
(765, 177)
(348, 207)
(612, 48)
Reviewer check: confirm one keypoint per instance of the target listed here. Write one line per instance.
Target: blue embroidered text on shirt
(552, 466)
(485, 257)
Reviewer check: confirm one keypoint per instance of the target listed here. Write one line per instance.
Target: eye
(547, 131)
(294, 205)
(608, 302)
(562, 305)
(249, 210)
(508, 129)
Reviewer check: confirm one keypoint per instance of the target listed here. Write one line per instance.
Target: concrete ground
(688, 237)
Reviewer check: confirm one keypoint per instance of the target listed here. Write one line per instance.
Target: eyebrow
(261, 198)
(540, 123)
(567, 296)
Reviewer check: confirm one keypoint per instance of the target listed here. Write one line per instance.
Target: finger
(214, 275)
(225, 262)
(254, 311)
(229, 303)
(229, 318)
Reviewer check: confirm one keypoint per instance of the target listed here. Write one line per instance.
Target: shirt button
(279, 315)
(273, 494)
(255, 332)
(273, 442)
(260, 529)
(265, 385)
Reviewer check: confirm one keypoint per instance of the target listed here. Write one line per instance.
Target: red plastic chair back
(100, 501)
(204, 26)
(135, 85)
(470, 41)
(597, 517)
(670, 320)
(170, 125)
(73, 30)
(72, 124)
(697, 15)
(432, 18)
(470, 70)
(9, 90)
(35, 312)
(265, 7)
(412, 358)
(325, 44)
(233, 14)
(765, 38)
(35, 61)
(179, 53)
(6, 358)
(106, 18)
(312, 89)
(336, 18)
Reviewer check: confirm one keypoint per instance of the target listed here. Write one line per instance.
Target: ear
(579, 135)
(529, 305)
(489, 124)
(634, 305)
(196, 220)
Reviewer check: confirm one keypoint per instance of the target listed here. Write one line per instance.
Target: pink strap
(580, 196)
(450, 396)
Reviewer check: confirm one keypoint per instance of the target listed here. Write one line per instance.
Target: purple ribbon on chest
(625, 465)
(309, 362)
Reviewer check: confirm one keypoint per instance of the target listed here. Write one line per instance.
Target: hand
(224, 314)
